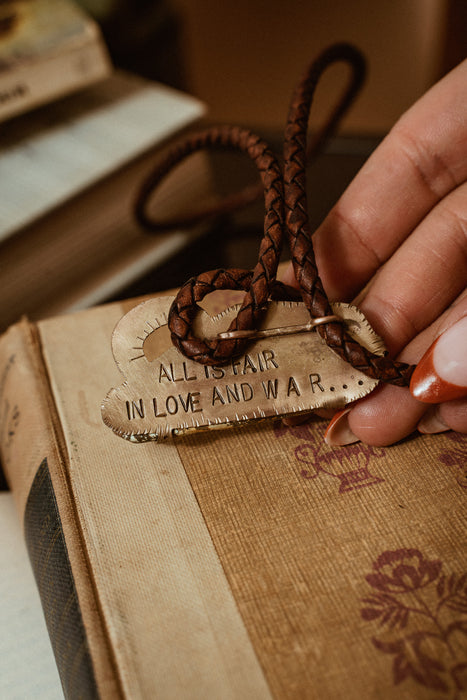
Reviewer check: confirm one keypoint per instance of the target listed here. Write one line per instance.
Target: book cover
(47, 48)
(251, 562)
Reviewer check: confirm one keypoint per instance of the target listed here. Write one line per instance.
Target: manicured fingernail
(338, 431)
(431, 423)
(441, 374)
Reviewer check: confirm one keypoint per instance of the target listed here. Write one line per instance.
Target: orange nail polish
(338, 431)
(441, 374)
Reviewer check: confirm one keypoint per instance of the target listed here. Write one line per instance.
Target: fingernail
(297, 419)
(338, 431)
(431, 423)
(441, 374)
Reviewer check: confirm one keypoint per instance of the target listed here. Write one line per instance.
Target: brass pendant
(281, 374)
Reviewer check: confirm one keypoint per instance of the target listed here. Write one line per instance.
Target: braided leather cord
(194, 142)
(258, 284)
(285, 208)
(297, 225)
(252, 192)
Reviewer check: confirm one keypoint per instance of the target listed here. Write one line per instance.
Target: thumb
(438, 397)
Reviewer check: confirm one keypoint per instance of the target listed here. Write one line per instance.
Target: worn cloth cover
(253, 562)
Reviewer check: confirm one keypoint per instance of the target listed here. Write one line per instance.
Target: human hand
(399, 233)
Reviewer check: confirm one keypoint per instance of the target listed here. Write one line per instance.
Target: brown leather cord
(180, 152)
(238, 200)
(298, 229)
(285, 209)
(258, 284)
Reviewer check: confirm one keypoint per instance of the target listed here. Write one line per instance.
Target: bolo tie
(282, 351)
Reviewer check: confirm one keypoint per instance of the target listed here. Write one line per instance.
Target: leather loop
(285, 211)
(257, 283)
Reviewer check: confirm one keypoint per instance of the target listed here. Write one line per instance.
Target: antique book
(70, 172)
(48, 48)
(249, 562)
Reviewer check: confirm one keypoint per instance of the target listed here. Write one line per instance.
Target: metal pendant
(281, 374)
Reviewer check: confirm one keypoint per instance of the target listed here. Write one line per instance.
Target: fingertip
(454, 414)
(432, 423)
(374, 421)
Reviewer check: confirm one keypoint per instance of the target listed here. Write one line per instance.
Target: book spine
(33, 459)
(48, 554)
(49, 77)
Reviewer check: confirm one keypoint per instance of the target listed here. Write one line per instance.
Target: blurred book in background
(69, 173)
(48, 48)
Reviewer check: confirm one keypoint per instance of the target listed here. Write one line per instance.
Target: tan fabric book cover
(251, 562)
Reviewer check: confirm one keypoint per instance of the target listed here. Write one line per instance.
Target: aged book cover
(251, 562)
(48, 48)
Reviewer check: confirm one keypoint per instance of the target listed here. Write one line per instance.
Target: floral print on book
(420, 615)
(456, 456)
(350, 465)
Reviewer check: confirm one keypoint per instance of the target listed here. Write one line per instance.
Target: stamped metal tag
(167, 394)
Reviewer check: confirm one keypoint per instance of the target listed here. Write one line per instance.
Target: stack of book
(70, 171)
(48, 48)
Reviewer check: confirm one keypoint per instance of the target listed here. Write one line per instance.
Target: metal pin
(284, 330)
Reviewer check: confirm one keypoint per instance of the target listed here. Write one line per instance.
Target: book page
(27, 664)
